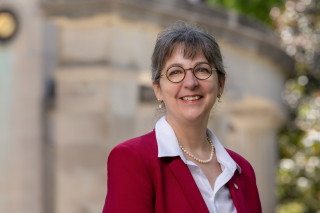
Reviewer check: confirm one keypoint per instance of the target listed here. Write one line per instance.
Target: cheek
(212, 88)
(170, 91)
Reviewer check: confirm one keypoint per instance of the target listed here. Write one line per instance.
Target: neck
(190, 134)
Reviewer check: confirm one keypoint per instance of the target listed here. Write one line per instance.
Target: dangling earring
(219, 96)
(160, 103)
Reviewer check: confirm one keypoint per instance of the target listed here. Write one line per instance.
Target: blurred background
(75, 82)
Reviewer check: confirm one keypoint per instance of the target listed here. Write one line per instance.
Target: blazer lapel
(188, 185)
(236, 193)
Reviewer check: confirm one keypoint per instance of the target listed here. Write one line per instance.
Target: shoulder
(144, 146)
(237, 158)
(129, 179)
(245, 166)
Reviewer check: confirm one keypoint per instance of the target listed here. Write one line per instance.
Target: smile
(191, 98)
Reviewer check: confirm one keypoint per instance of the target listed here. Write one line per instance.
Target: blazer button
(236, 186)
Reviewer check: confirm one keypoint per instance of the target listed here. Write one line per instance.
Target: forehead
(181, 53)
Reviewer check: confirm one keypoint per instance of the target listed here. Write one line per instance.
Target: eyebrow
(180, 65)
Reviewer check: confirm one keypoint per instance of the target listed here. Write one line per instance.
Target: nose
(190, 81)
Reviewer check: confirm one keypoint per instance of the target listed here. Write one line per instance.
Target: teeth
(191, 98)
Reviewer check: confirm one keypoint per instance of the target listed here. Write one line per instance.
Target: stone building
(75, 81)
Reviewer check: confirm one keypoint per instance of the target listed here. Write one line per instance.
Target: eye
(202, 70)
(175, 71)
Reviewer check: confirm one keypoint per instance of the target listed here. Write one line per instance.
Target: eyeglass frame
(185, 72)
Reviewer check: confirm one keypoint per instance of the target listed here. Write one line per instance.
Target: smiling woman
(188, 96)
(181, 166)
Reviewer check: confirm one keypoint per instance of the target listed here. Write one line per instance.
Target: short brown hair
(193, 40)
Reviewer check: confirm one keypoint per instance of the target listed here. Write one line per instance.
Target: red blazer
(140, 182)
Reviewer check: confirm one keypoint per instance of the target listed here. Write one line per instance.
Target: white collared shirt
(218, 200)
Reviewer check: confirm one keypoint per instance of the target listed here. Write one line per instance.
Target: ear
(157, 91)
(222, 81)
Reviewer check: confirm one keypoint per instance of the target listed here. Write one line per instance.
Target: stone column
(95, 111)
(20, 112)
(252, 132)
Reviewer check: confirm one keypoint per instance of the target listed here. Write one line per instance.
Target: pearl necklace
(197, 159)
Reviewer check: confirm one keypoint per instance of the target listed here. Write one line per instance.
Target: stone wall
(96, 105)
(21, 113)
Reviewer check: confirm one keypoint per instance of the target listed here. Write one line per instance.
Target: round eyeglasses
(176, 74)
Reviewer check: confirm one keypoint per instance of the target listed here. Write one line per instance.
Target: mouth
(191, 98)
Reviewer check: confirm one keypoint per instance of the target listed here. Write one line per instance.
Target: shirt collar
(168, 145)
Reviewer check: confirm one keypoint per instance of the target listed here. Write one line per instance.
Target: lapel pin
(236, 186)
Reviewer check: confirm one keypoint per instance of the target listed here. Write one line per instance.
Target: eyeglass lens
(177, 74)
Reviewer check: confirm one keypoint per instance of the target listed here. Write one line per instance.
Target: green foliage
(255, 9)
(299, 168)
(291, 208)
(298, 26)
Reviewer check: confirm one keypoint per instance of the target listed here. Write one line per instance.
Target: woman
(181, 166)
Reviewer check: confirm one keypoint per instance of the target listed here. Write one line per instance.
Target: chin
(195, 116)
